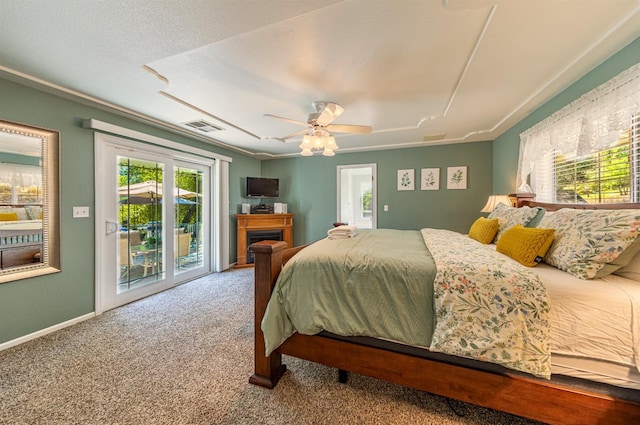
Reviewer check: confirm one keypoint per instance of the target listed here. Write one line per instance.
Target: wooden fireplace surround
(253, 222)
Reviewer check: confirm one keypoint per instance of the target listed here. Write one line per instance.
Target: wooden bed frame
(532, 398)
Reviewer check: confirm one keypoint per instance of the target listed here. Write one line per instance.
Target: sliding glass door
(190, 210)
(140, 213)
(157, 227)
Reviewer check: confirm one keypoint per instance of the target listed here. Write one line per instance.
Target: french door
(153, 221)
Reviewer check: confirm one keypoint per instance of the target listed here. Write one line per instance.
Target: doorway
(153, 221)
(357, 197)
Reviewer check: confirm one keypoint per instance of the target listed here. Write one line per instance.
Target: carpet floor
(184, 357)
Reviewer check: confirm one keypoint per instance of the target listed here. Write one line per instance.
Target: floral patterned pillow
(34, 212)
(510, 216)
(591, 244)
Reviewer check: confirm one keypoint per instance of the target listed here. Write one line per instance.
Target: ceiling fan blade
(287, 119)
(297, 133)
(348, 128)
(325, 113)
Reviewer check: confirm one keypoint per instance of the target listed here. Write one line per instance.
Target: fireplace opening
(254, 236)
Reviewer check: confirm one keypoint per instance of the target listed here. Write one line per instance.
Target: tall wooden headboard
(528, 199)
(585, 206)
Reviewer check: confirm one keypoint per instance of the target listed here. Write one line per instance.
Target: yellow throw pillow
(8, 216)
(484, 229)
(527, 245)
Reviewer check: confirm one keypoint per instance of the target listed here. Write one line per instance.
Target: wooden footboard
(531, 398)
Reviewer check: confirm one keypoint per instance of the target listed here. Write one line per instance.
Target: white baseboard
(46, 331)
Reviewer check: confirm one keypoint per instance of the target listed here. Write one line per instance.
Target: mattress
(593, 332)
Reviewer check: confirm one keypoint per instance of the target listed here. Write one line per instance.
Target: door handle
(111, 227)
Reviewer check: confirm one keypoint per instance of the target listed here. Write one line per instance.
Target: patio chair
(129, 259)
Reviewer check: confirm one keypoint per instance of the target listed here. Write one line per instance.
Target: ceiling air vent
(204, 126)
(433, 137)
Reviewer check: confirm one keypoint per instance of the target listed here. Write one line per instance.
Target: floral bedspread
(488, 307)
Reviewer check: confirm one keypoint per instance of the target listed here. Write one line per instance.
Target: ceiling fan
(317, 135)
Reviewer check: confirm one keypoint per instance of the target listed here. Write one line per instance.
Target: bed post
(268, 262)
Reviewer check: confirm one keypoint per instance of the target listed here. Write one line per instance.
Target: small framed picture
(406, 179)
(457, 177)
(430, 179)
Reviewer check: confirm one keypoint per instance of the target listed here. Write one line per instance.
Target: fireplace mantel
(250, 222)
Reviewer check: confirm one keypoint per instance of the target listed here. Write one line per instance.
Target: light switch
(386, 207)
(80, 212)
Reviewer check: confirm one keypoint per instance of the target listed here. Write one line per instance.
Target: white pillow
(21, 212)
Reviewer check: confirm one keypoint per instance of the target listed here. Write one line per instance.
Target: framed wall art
(430, 179)
(406, 179)
(457, 177)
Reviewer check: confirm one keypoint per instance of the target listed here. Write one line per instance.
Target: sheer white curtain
(591, 123)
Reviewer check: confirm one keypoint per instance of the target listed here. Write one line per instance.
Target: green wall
(309, 188)
(12, 158)
(506, 148)
(30, 305)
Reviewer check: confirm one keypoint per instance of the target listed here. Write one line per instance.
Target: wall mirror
(29, 201)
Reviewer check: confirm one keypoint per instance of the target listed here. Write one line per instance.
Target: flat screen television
(262, 187)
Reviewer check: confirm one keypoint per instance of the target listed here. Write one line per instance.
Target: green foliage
(366, 200)
(604, 176)
(136, 171)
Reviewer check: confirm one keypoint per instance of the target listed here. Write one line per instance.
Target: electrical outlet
(80, 212)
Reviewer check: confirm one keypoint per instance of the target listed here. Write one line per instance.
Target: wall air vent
(202, 125)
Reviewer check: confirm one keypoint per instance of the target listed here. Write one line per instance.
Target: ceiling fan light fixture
(331, 143)
(318, 142)
(306, 142)
(318, 139)
(328, 152)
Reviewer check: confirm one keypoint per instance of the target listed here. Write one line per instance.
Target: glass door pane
(140, 222)
(190, 225)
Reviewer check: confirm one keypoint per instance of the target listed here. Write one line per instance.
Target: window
(607, 176)
(20, 184)
(588, 151)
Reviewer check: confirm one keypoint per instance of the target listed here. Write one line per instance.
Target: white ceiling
(414, 70)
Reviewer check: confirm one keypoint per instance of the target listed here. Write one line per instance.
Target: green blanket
(388, 307)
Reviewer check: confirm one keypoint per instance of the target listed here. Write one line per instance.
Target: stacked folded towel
(342, 232)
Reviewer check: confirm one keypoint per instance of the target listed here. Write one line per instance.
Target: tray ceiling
(419, 72)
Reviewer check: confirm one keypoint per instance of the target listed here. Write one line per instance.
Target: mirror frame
(50, 143)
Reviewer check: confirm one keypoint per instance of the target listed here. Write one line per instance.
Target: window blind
(606, 176)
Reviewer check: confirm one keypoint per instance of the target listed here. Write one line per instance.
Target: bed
(21, 236)
(576, 389)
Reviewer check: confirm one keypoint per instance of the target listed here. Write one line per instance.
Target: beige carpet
(184, 357)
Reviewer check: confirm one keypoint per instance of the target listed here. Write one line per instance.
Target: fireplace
(277, 227)
(254, 236)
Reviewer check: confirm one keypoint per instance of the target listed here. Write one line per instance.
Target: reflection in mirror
(29, 194)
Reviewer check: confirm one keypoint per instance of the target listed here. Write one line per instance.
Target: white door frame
(106, 257)
(374, 190)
